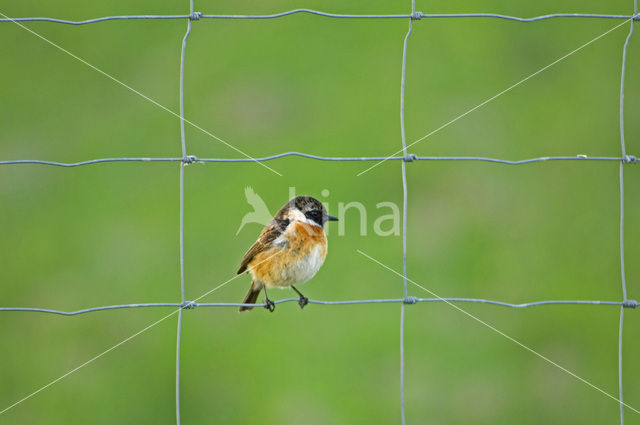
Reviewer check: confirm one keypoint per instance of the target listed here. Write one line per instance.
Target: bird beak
(332, 218)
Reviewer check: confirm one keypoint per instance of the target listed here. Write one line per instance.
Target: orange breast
(303, 250)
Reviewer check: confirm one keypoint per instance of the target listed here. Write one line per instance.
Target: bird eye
(315, 216)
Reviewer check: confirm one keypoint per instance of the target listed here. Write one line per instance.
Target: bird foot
(303, 301)
(270, 305)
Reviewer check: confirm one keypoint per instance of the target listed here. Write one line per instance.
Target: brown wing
(268, 235)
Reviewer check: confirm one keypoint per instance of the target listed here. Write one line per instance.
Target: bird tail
(251, 297)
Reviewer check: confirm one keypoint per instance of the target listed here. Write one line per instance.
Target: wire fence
(195, 16)
(405, 158)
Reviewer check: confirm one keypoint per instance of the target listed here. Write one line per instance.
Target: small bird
(289, 251)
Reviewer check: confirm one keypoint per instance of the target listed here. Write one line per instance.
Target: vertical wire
(404, 211)
(184, 151)
(620, 366)
(404, 169)
(403, 419)
(621, 180)
(179, 337)
(184, 48)
(182, 165)
(179, 331)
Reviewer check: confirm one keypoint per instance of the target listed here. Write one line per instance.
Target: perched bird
(289, 251)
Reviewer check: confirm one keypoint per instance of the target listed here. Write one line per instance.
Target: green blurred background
(108, 233)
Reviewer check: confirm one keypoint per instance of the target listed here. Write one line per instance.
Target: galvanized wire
(410, 157)
(406, 157)
(621, 178)
(408, 300)
(403, 165)
(182, 165)
(414, 15)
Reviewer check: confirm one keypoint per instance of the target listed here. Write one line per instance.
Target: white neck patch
(297, 215)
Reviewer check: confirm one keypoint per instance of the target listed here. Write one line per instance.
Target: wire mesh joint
(410, 300)
(630, 304)
(188, 305)
(416, 16)
(410, 157)
(189, 159)
(629, 159)
(636, 17)
(195, 16)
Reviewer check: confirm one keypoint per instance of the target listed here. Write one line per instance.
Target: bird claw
(303, 301)
(270, 305)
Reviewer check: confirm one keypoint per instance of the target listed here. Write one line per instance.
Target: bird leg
(270, 305)
(303, 300)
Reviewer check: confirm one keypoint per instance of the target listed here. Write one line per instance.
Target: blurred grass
(108, 233)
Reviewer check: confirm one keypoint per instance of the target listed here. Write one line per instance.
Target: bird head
(307, 210)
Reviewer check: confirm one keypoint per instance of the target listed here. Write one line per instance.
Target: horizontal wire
(515, 18)
(311, 12)
(417, 15)
(191, 159)
(91, 21)
(93, 161)
(89, 310)
(409, 300)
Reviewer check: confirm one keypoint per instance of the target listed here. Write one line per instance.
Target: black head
(311, 209)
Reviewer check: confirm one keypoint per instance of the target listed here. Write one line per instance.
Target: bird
(260, 213)
(289, 251)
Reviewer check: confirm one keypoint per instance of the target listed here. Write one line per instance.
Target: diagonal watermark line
(95, 68)
(125, 340)
(87, 362)
(531, 350)
(496, 96)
